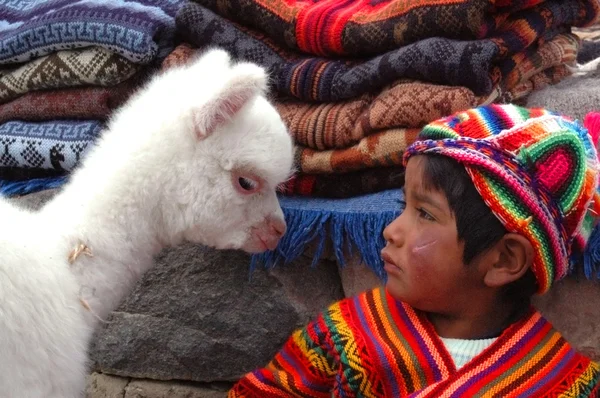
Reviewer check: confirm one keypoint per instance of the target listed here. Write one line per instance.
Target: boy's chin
(396, 292)
(401, 294)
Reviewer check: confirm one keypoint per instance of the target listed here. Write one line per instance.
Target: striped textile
(374, 346)
(478, 65)
(359, 28)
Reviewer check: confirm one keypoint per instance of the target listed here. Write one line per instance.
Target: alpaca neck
(115, 226)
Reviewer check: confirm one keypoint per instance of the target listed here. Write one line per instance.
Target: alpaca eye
(247, 184)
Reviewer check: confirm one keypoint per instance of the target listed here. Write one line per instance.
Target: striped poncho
(374, 346)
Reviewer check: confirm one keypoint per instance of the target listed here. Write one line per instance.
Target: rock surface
(107, 386)
(573, 307)
(198, 316)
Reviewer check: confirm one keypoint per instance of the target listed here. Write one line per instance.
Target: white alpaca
(195, 156)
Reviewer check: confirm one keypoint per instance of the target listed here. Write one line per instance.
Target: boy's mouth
(387, 259)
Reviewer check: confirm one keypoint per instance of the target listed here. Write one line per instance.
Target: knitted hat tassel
(591, 256)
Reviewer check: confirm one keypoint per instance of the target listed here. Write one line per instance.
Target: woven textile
(519, 93)
(361, 27)
(384, 148)
(346, 186)
(373, 346)
(403, 103)
(537, 172)
(89, 66)
(477, 64)
(82, 103)
(139, 30)
(343, 124)
(54, 145)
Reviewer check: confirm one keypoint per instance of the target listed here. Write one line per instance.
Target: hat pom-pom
(592, 123)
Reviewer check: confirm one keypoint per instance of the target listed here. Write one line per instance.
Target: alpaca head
(229, 150)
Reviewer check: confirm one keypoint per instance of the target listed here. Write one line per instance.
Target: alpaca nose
(278, 226)
(275, 229)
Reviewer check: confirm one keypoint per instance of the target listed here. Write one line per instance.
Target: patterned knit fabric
(404, 103)
(87, 103)
(373, 346)
(359, 28)
(139, 30)
(54, 145)
(69, 68)
(384, 148)
(348, 185)
(476, 64)
(537, 172)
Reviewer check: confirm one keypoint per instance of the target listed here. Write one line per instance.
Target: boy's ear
(512, 257)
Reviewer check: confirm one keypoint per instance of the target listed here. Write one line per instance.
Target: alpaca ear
(246, 81)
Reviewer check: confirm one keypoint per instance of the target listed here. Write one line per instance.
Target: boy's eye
(425, 215)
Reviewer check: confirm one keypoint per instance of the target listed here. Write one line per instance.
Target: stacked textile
(577, 95)
(64, 67)
(355, 80)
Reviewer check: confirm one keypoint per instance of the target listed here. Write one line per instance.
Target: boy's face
(423, 256)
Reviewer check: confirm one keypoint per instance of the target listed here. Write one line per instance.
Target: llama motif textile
(357, 28)
(138, 30)
(477, 64)
(53, 145)
(374, 346)
(68, 68)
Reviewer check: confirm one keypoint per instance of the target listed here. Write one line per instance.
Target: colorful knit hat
(536, 170)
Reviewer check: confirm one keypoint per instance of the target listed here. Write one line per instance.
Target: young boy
(497, 203)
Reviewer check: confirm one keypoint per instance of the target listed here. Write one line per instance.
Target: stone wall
(199, 320)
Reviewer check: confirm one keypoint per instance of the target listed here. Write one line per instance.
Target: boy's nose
(393, 233)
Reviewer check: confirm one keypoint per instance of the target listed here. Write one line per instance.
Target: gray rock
(105, 386)
(198, 316)
(572, 305)
(157, 389)
(357, 277)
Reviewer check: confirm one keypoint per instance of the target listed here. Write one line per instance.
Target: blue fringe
(354, 225)
(591, 255)
(16, 188)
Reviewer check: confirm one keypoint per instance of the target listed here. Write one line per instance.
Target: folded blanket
(358, 28)
(385, 148)
(68, 68)
(476, 64)
(540, 81)
(350, 185)
(381, 149)
(139, 30)
(54, 145)
(343, 124)
(403, 103)
(81, 103)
